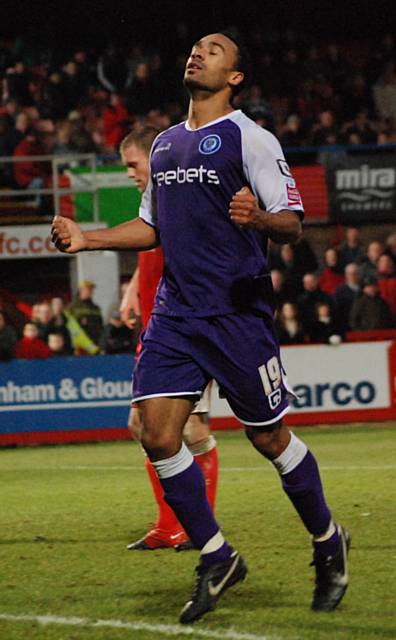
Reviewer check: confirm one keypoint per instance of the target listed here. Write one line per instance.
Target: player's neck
(205, 108)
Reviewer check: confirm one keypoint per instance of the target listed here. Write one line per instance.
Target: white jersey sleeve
(267, 171)
(147, 209)
(148, 204)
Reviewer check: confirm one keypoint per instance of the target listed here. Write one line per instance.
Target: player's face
(211, 65)
(137, 164)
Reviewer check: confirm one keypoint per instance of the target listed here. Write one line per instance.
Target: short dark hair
(243, 62)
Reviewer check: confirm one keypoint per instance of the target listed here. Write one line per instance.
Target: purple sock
(185, 492)
(304, 488)
(301, 481)
(328, 547)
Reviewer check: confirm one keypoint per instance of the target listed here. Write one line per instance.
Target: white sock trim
(199, 448)
(291, 457)
(327, 535)
(174, 465)
(213, 544)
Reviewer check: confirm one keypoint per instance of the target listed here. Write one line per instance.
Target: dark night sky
(91, 23)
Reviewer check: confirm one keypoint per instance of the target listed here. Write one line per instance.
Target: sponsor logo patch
(293, 196)
(209, 144)
(275, 399)
(164, 147)
(284, 168)
(181, 176)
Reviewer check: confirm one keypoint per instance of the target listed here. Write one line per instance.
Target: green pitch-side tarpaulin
(119, 198)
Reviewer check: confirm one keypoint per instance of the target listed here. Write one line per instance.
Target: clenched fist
(67, 236)
(244, 209)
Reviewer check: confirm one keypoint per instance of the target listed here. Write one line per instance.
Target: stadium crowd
(317, 300)
(82, 100)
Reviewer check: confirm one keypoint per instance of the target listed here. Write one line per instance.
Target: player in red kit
(138, 301)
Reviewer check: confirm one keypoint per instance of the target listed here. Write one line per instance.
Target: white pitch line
(263, 469)
(164, 629)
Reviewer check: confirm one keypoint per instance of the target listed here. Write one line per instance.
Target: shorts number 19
(270, 375)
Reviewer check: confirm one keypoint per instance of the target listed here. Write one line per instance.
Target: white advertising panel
(32, 241)
(332, 378)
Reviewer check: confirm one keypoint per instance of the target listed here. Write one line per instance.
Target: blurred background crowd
(317, 299)
(85, 99)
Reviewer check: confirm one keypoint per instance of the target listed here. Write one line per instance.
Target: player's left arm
(283, 227)
(271, 203)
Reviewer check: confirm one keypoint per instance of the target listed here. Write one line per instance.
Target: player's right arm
(69, 237)
(139, 234)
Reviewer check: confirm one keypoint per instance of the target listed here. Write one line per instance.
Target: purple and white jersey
(194, 175)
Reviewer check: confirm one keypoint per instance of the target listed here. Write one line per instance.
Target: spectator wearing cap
(86, 312)
(369, 311)
(116, 337)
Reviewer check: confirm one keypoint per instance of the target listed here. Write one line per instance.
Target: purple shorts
(240, 351)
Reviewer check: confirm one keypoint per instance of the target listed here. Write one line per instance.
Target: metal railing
(58, 164)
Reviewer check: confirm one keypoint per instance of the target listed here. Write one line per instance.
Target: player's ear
(236, 77)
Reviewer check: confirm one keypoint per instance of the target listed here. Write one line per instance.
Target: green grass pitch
(67, 513)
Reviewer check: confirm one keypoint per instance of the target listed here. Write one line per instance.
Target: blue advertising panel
(64, 394)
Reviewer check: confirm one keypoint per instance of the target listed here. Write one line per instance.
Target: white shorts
(203, 405)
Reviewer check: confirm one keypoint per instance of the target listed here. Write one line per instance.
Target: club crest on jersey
(210, 144)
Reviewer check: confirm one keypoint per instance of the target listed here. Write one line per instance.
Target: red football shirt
(151, 264)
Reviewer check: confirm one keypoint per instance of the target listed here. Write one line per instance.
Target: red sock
(209, 465)
(166, 519)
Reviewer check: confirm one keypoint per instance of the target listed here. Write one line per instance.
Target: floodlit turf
(67, 513)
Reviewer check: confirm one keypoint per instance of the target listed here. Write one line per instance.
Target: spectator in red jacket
(331, 277)
(115, 122)
(386, 271)
(30, 173)
(30, 346)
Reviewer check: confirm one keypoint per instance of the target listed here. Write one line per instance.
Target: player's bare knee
(270, 440)
(159, 446)
(196, 429)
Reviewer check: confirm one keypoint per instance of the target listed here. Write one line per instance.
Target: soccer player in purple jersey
(219, 188)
